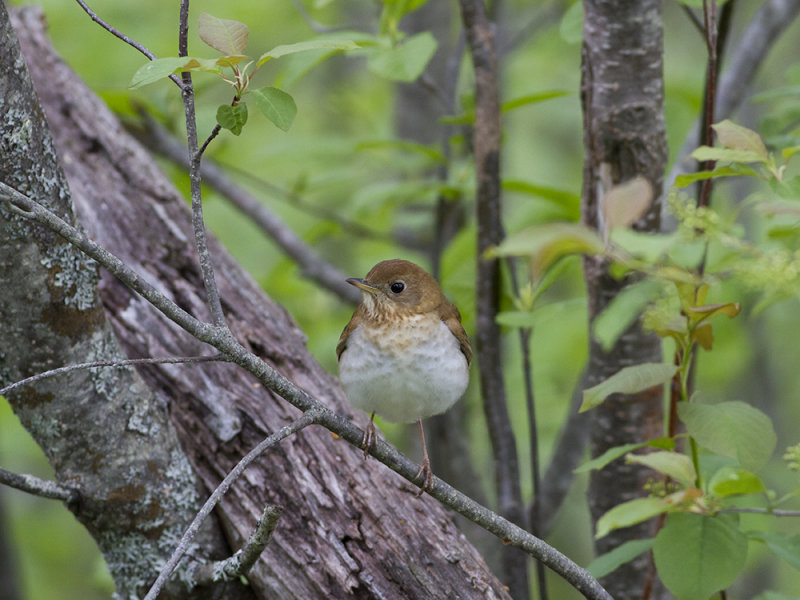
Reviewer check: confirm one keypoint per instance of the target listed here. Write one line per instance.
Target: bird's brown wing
(354, 322)
(452, 318)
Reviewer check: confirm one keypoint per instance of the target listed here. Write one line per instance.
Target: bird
(404, 355)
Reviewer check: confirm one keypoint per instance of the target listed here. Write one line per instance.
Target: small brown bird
(404, 354)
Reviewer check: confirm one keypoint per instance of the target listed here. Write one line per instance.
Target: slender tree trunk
(350, 528)
(623, 102)
(486, 137)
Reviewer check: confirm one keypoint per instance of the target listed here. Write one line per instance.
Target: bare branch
(116, 33)
(38, 487)
(486, 147)
(244, 559)
(111, 363)
(308, 418)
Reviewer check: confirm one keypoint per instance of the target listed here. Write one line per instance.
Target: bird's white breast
(404, 372)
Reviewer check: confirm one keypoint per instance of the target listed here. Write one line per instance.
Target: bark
(350, 528)
(623, 101)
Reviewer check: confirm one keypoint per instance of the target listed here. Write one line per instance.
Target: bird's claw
(426, 474)
(368, 440)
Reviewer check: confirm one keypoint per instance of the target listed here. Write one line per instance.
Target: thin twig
(226, 344)
(692, 17)
(115, 32)
(308, 418)
(710, 31)
(111, 363)
(243, 559)
(542, 17)
(198, 223)
(214, 133)
(38, 487)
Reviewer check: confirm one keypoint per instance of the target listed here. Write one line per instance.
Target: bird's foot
(426, 474)
(368, 440)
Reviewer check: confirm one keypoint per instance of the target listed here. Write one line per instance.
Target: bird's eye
(397, 287)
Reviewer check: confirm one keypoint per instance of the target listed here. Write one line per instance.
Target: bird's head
(398, 287)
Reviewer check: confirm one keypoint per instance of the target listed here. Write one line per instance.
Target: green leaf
(156, 69)
(322, 44)
(232, 118)
(394, 10)
(547, 243)
(727, 155)
(736, 137)
(622, 311)
(646, 245)
(532, 99)
(403, 62)
(733, 429)
(724, 171)
(230, 60)
(788, 153)
(406, 146)
(610, 561)
(672, 464)
(571, 26)
(697, 555)
(732, 481)
(629, 513)
(770, 595)
(701, 313)
(787, 548)
(515, 318)
(225, 35)
(546, 313)
(629, 380)
(626, 203)
(202, 64)
(276, 105)
(614, 453)
(540, 314)
(788, 188)
(565, 204)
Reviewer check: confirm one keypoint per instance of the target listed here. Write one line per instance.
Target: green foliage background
(330, 159)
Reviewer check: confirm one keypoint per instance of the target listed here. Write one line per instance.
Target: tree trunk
(623, 103)
(351, 528)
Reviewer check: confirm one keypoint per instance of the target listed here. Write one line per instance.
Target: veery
(404, 354)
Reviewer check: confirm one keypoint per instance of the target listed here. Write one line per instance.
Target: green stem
(686, 362)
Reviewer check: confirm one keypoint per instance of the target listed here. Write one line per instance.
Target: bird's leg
(425, 465)
(369, 436)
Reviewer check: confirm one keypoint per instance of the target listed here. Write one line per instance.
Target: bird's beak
(363, 285)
